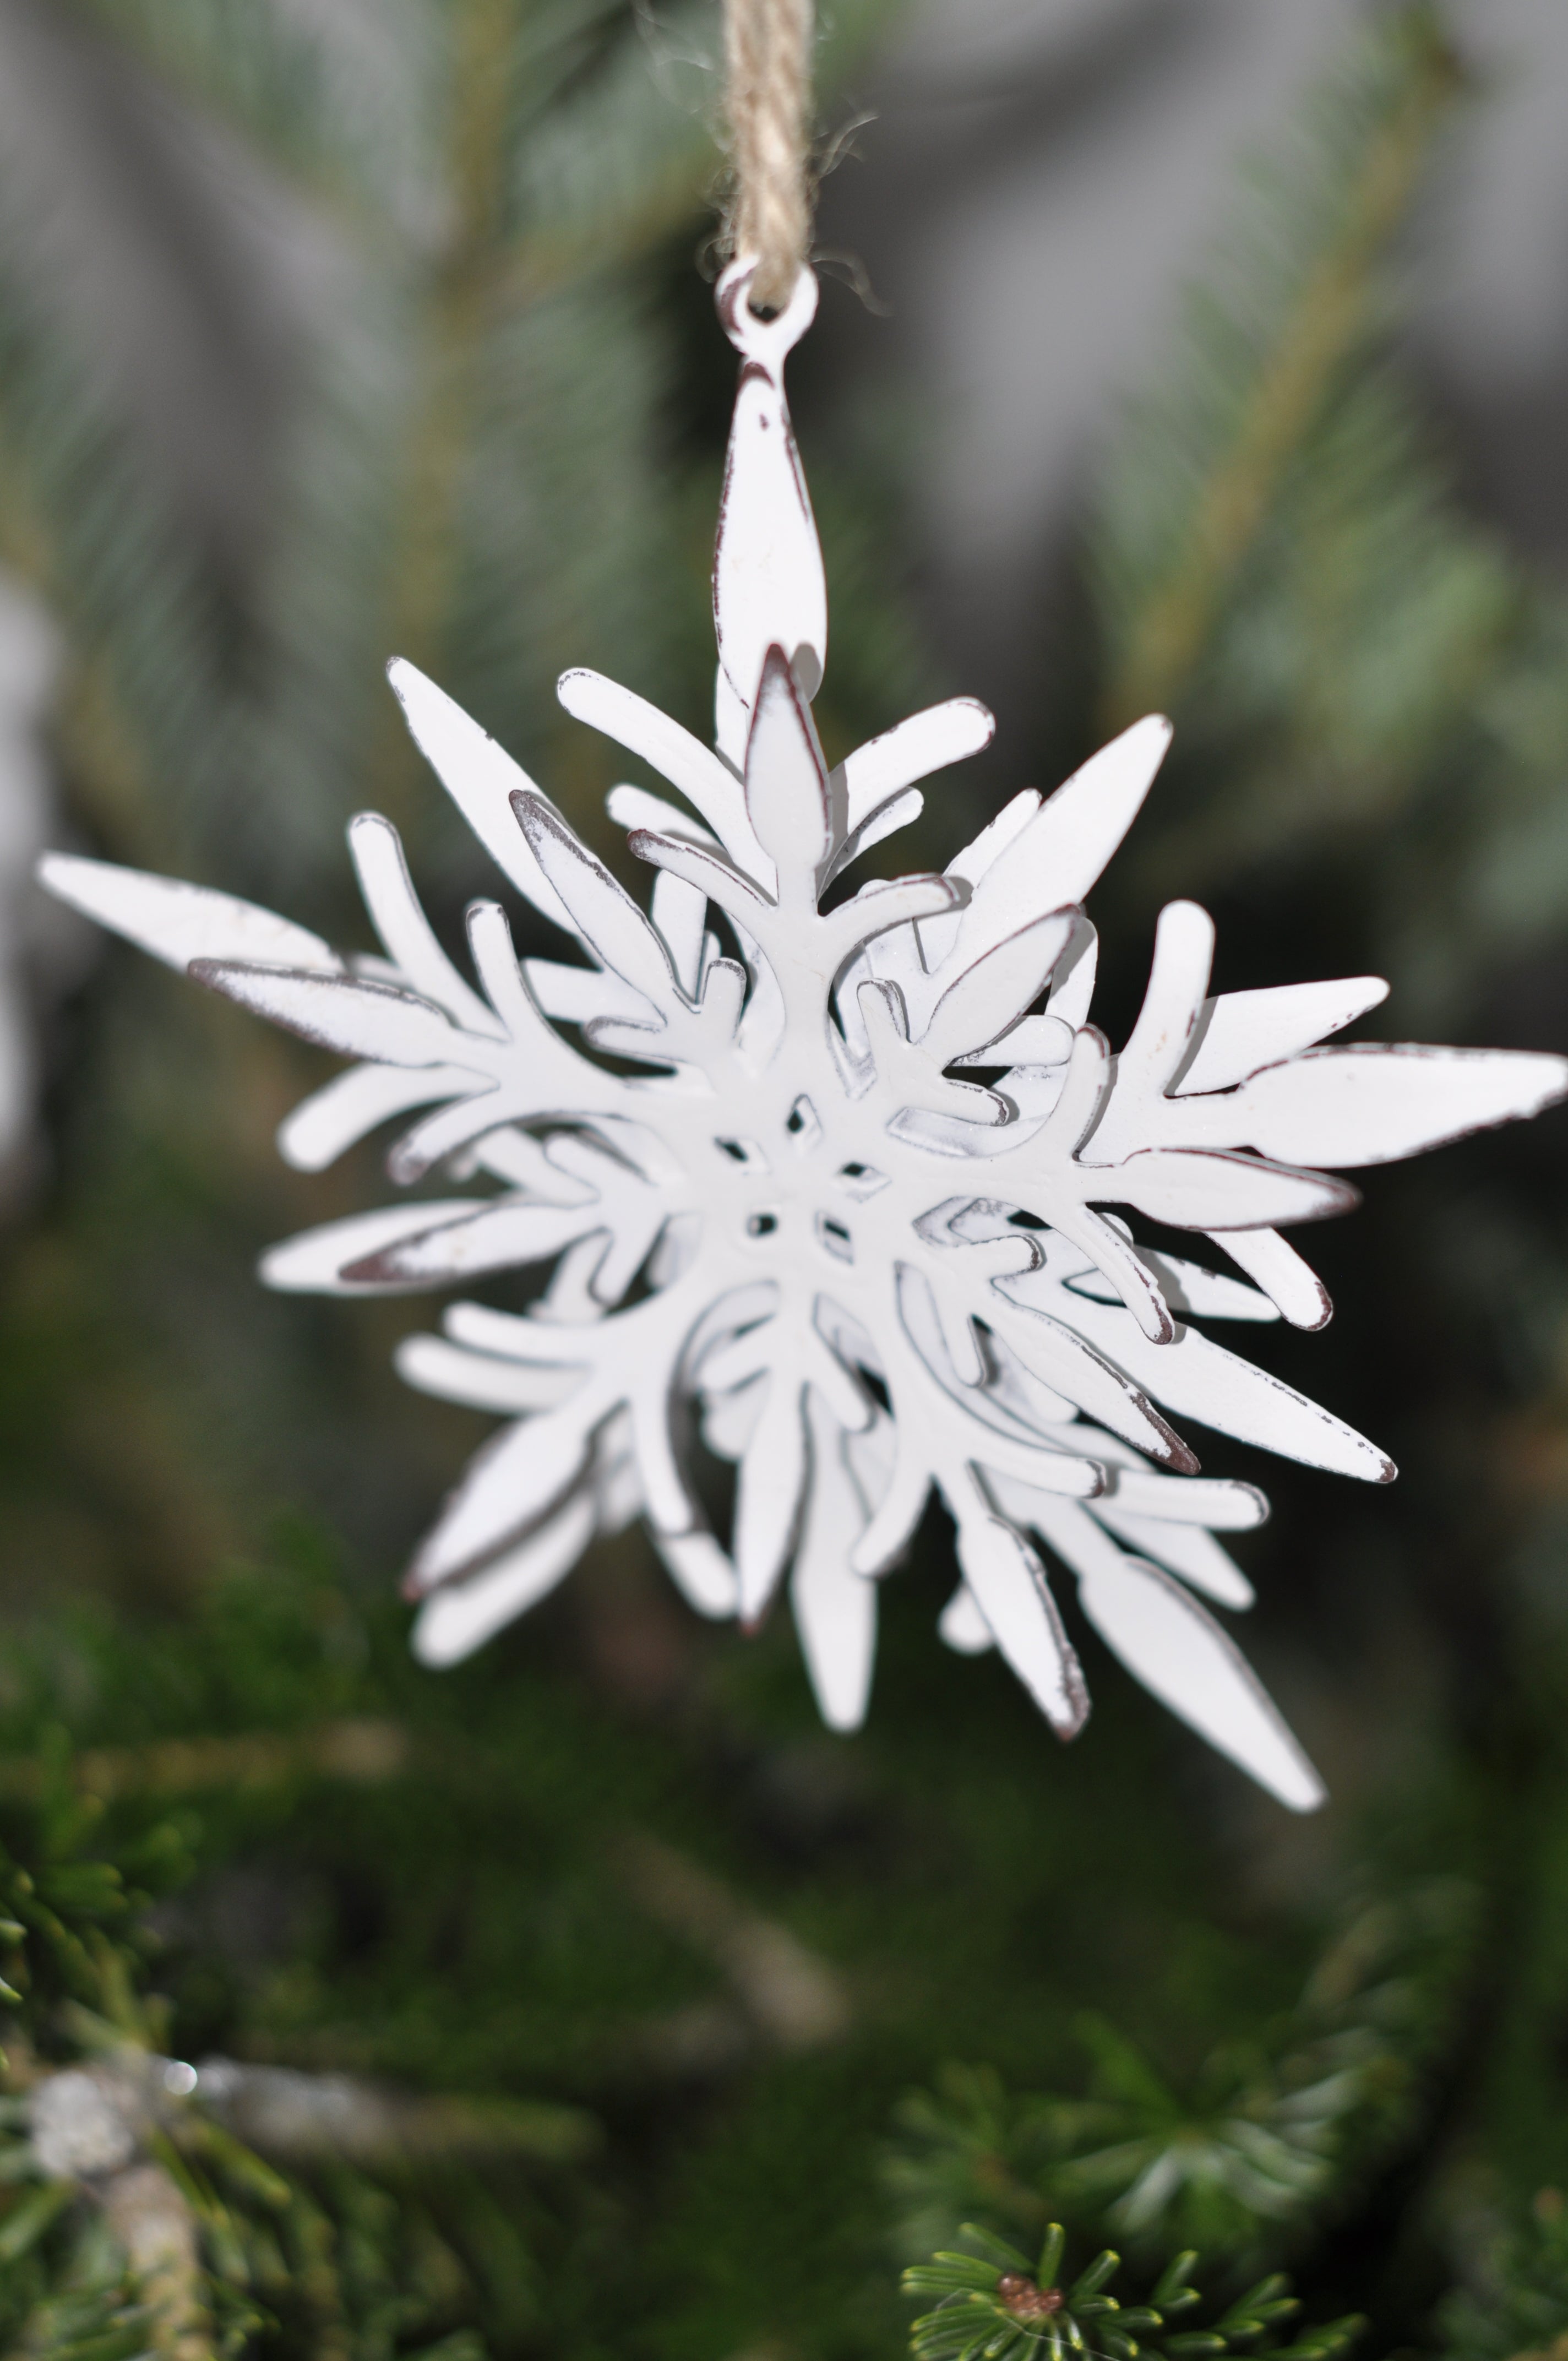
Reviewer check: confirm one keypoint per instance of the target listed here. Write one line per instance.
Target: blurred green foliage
(1268, 2132)
(1516, 2301)
(238, 1821)
(478, 469)
(1358, 669)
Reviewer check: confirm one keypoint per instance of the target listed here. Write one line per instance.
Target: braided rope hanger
(767, 50)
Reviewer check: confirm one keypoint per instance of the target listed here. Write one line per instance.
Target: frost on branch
(804, 1226)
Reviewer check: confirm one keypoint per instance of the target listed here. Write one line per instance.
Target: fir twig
(1174, 614)
(997, 2304)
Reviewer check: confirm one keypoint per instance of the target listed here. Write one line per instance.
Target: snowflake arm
(860, 1215)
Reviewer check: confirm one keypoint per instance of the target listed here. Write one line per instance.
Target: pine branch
(148, 2207)
(467, 478)
(622, 153)
(311, 723)
(562, 525)
(466, 424)
(1266, 354)
(343, 103)
(1268, 2136)
(999, 2305)
(1366, 656)
(81, 519)
(356, 1748)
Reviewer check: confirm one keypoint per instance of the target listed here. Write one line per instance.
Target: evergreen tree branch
(81, 519)
(148, 2207)
(1270, 2135)
(344, 109)
(997, 2304)
(1166, 618)
(356, 1748)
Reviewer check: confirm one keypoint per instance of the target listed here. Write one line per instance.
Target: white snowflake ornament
(806, 1229)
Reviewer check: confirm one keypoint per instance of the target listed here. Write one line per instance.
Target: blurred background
(1201, 355)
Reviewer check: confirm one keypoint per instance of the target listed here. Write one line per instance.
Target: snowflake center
(806, 1188)
(780, 1225)
(785, 1210)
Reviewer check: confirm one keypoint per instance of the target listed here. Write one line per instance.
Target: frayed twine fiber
(767, 52)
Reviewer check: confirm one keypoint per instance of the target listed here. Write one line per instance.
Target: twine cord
(767, 56)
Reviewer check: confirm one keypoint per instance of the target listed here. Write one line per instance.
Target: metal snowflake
(866, 1277)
